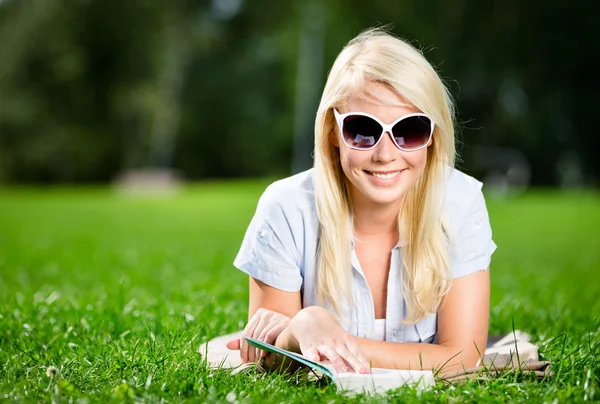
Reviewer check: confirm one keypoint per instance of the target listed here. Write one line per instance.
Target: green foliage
(108, 298)
(91, 88)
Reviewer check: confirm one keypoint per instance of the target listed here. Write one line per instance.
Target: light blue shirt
(280, 247)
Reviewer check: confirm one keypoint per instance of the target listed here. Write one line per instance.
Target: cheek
(352, 160)
(418, 159)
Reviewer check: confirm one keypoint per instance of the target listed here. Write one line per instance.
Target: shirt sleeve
(472, 245)
(268, 252)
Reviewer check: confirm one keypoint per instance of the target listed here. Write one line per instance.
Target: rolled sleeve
(269, 249)
(472, 246)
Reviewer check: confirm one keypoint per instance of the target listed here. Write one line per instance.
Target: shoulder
(287, 206)
(463, 195)
(273, 247)
(461, 189)
(467, 225)
(291, 194)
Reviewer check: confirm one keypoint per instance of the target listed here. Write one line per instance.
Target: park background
(136, 137)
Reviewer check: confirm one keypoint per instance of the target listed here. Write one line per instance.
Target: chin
(383, 197)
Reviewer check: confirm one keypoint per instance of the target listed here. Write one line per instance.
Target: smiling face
(384, 174)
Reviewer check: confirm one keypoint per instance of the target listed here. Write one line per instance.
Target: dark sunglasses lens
(361, 132)
(413, 132)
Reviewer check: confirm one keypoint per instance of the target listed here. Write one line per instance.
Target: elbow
(460, 358)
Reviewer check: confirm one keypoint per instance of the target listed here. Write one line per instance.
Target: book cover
(377, 381)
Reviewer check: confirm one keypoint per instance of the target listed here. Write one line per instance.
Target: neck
(373, 219)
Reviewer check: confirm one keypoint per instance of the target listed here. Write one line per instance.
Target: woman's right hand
(265, 325)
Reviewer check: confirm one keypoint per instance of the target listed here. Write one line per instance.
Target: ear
(430, 141)
(334, 135)
(334, 138)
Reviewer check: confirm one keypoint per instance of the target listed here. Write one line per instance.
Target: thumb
(233, 344)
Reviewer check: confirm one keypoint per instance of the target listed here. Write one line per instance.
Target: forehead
(380, 100)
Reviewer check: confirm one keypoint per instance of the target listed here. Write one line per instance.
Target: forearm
(415, 356)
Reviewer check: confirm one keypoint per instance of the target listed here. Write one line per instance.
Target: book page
(382, 380)
(378, 380)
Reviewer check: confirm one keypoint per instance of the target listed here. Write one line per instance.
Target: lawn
(117, 293)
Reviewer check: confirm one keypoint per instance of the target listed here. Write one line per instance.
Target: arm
(270, 298)
(464, 314)
(462, 335)
(270, 255)
(462, 332)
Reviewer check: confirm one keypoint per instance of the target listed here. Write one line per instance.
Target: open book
(378, 381)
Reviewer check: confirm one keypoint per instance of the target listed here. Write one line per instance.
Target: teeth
(386, 176)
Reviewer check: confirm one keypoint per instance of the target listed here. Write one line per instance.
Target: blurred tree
(89, 88)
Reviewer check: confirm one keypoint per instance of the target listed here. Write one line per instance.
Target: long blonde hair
(376, 56)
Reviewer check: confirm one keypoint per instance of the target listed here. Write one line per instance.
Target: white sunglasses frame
(386, 129)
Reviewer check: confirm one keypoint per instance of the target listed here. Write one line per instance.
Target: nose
(386, 150)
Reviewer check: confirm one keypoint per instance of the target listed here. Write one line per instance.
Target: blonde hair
(376, 56)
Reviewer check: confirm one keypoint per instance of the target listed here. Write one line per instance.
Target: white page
(382, 380)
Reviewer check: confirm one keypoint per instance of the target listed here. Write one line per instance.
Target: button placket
(394, 300)
(364, 300)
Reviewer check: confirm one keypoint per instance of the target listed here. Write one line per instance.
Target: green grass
(118, 294)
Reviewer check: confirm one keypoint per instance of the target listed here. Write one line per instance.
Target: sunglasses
(362, 131)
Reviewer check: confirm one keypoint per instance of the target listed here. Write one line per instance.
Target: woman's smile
(384, 178)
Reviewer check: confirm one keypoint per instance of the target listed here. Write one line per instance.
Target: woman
(379, 255)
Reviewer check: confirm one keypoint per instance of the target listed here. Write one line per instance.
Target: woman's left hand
(321, 337)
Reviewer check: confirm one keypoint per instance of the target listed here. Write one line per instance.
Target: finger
(265, 332)
(248, 332)
(270, 334)
(311, 353)
(243, 350)
(350, 359)
(362, 364)
(271, 337)
(233, 344)
(253, 352)
(332, 355)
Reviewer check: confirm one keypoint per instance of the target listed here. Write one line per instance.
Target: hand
(320, 336)
(265, 325)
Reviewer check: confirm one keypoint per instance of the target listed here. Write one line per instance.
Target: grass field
(118, 294)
